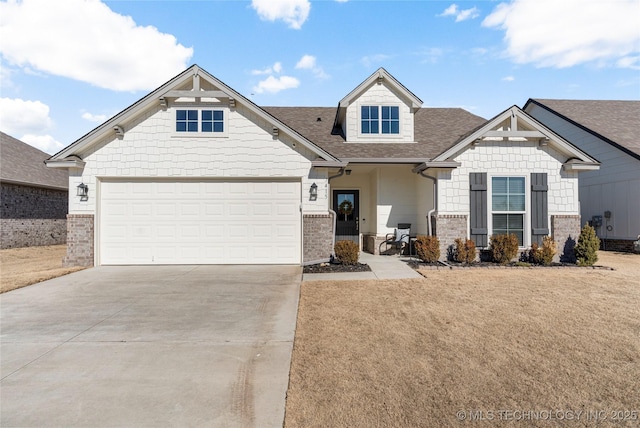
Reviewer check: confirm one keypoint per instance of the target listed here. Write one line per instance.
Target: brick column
(80, 238)
(450, 228)
(565, 230)
(317, 238)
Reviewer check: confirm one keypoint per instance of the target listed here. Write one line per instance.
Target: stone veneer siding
(80, 240)
(317, 230)
(32, 216)
(449, 228)
(565, 230)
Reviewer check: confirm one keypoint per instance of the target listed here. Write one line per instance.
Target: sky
(66, 66)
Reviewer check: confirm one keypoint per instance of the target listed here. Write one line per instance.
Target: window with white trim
(203, 121)
(508, 206)
(380, 119)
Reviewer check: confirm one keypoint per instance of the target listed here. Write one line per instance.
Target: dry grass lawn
(414, 353)
(20, 267)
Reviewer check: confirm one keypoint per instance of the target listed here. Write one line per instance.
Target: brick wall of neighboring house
(80, 240)
(318, 237)
(450, 227)
(32, 216)
(622, 245)
(565, 230)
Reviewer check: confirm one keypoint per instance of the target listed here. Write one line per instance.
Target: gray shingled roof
(21, 163)
(436, 129)
(616, 121)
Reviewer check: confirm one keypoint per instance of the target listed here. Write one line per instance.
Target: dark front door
(346, 206)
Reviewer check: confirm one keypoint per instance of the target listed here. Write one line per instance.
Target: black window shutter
(478, 208)
(539, 207)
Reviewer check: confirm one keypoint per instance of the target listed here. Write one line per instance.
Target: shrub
(503, 248)
(587, 247)
(428, 248)
(465, 251)
(543, 255)
(347, 252)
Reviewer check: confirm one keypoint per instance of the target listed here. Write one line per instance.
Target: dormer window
(380, 119)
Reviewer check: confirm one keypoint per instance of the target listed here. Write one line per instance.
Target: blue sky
(66, 69)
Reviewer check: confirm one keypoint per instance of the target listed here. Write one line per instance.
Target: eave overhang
(578, 166)
(321, 163)
(436, 164)
(68, 162)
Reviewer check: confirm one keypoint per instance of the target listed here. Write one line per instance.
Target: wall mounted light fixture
(83, 192)
(313, 192)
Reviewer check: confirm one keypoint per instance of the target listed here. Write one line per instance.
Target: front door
(345, 204)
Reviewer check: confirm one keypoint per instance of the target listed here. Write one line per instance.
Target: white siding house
(607, 130)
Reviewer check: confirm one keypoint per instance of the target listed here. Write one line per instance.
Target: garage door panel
(209, 222)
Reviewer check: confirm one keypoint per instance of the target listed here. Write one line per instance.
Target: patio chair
(399, 239)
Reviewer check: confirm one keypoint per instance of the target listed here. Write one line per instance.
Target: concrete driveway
(149, 346)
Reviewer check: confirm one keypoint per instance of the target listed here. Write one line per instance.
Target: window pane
(499, 222)
(218, 115)
(373, 112)
(364, 112)
(192, 114)
(385, 127)
(181, 114)
(516, 203)
(499, 185)
(386, 112)
(395, 113)
(207, 126)
(515, 221)
(181, 126)
(500, 203)
(374, 127)
(218, 127)
(192, 126)
(516, 185)
(395, 127)
(207, 115)
(365, 127)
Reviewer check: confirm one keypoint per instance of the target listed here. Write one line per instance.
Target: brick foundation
(318, 238)
(450, 228)
(80, 240)
(565, 230)
(621, 245)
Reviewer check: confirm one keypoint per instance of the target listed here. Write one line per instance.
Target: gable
(192, 89)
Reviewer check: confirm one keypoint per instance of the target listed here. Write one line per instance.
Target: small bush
(503, 248)
(543, 255)
(586, 249)
(465, 251)
(428, 248)
(347, 252)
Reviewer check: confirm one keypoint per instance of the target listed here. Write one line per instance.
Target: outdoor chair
(399, 239)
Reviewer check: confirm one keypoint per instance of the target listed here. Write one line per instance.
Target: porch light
(83, 192)
(313, 192)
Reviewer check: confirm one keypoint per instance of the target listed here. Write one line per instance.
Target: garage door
(199, 222)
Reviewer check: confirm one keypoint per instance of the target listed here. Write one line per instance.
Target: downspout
(332, 212)
(435, 199)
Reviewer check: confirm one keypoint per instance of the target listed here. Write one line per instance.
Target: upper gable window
(379, 119)
(200, 121)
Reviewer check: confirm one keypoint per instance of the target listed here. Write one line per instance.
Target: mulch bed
(336, 267)
(521, 265)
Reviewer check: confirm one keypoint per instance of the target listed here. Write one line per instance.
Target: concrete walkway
(152, 346)
(382, 267)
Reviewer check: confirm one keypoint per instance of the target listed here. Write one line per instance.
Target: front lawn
(477, 347)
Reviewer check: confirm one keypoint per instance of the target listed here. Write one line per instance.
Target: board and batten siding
(151, 149)
(614, 187)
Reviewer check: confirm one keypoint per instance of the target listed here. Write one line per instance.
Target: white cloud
(28, 121)
(293, 12)
(273, 85)
(430, 55)
(46, 143)
(308, 62)
(569, 32)
(275, 68)
(508, 78)
(87, 41)
(98, 118)
(632, 62)
(369, 60)
(461, 15)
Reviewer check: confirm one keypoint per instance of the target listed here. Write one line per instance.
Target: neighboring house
(608, 130)
(195, 172)
(33, 198)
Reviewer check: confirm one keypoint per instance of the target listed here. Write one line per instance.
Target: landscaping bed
(336, 267)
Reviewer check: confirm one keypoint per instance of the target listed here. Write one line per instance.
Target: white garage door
(199, 222)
